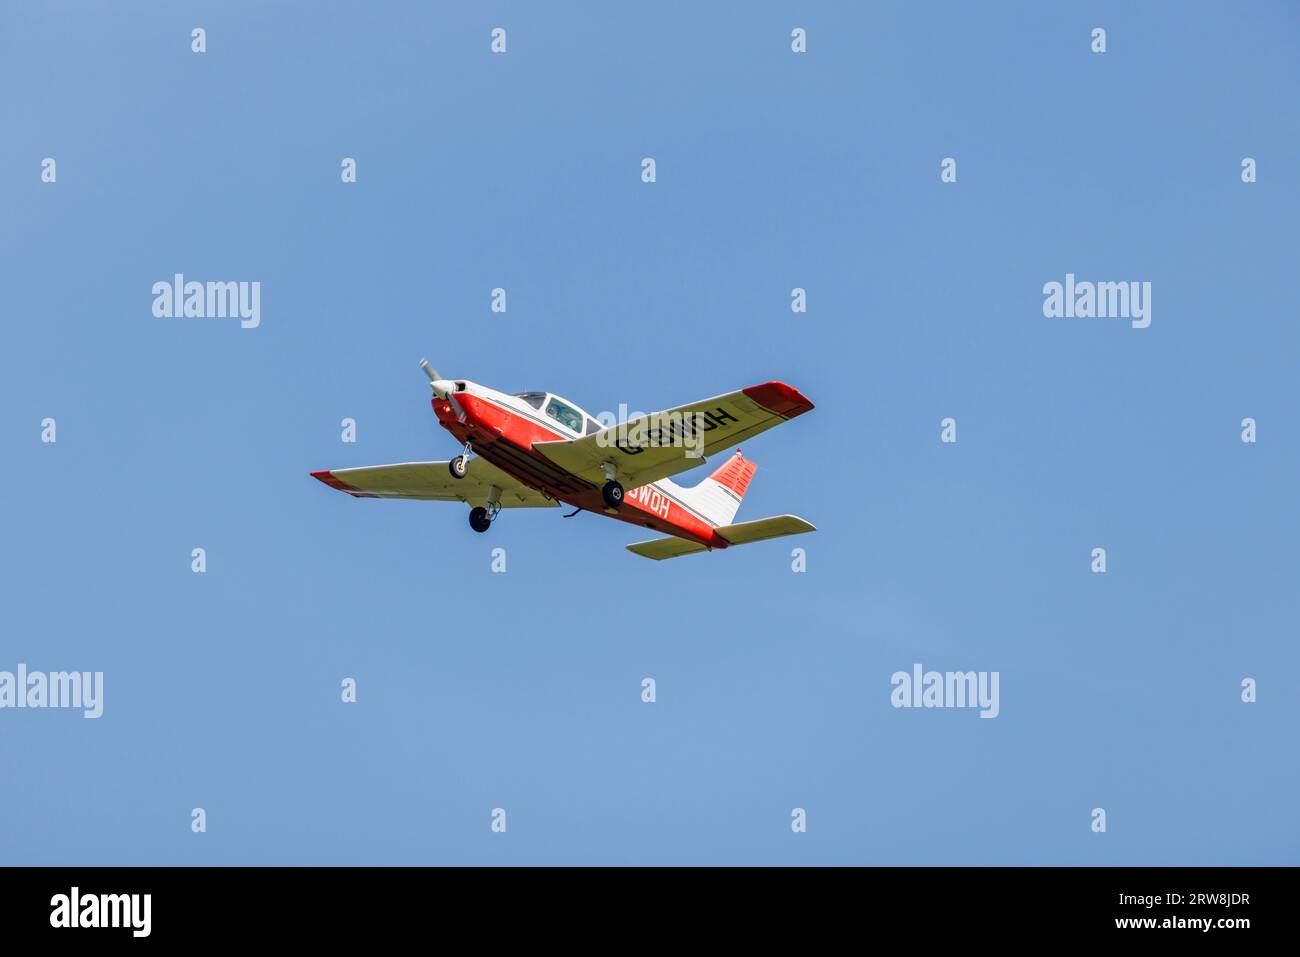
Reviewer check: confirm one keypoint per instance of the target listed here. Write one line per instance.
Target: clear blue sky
(775, 170)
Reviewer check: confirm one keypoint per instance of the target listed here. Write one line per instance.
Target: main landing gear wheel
(459, 466)
(479, 520)
(612, 493)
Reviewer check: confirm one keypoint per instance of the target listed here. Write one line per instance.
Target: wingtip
(782, 399)
(332, 481)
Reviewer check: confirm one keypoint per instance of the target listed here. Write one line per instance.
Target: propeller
(441, 387)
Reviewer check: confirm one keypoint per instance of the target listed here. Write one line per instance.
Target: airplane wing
(642, 449)
(431, 481)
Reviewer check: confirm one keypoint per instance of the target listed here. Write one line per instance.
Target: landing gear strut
(611, 492)
(480, 518)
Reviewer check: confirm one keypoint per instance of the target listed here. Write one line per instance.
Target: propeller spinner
(441, 387)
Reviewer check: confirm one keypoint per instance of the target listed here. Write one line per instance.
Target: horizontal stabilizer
(764, 528)
(661, 548)
(741, 534)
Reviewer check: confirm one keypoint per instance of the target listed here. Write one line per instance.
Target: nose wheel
(459, 466)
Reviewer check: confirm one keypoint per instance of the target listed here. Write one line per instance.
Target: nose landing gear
(459, 466)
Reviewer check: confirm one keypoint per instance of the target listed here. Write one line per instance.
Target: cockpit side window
(593, 426)
(563, 414)
(535, 399)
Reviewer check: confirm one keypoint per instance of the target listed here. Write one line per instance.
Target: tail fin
(718, 497)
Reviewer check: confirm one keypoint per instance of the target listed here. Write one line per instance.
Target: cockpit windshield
(535, 399)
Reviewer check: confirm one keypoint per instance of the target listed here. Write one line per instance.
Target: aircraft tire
(478, 519)
(459, 466)
(612, 493)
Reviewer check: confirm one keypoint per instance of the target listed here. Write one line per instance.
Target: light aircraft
(536, 450)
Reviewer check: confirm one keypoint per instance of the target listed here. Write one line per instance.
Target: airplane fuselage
(502, 429)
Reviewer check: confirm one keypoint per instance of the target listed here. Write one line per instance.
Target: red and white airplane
(536, 450)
